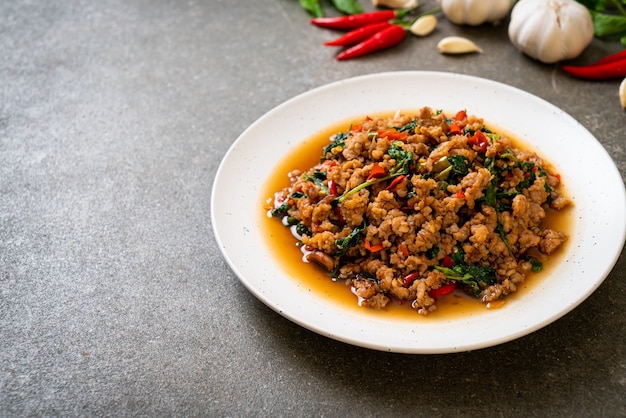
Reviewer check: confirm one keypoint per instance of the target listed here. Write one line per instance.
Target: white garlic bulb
(550, 30)
(475, 12)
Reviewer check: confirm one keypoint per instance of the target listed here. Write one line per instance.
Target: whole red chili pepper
(357, 20)
(380, 40)
(613, 57)
(612, 66)
(359, 34)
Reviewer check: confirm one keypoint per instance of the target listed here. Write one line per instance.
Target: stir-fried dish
(413, 206)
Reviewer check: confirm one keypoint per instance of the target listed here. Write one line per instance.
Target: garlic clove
(395, 4)
(622, 93)
(424, 25)
(457, 45)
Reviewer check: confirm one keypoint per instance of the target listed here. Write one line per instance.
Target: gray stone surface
(114, 298)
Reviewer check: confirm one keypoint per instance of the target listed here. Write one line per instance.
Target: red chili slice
(442, 291)
(410, 278)
(447, 261)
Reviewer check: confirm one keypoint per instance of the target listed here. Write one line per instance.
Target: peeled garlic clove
(424, 25)
(622, 93)
(457, 45)
(395, 4)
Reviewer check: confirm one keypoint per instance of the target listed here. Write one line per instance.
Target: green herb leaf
(301, 229)
(537, 265)
(409, 126)
(317, 178)
(432, 252)
(459, 167)
(344, 244)
(350, 7)
(500, 231)
(338, 141)
(458, 255)
(281, 210)
(608, 25)
(313, 7)
(403, 159)
(474, 276)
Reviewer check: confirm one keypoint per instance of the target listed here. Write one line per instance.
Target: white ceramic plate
(598, 193)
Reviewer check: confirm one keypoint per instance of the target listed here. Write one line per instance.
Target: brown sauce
(289, 256)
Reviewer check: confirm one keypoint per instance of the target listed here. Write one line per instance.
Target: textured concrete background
(114, 298)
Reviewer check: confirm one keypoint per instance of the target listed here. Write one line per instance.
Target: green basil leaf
(350, 7)
(313, 7)
(608, 25)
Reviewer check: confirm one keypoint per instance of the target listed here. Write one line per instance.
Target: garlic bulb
(475, 12)
(395, 4)
(550, 30)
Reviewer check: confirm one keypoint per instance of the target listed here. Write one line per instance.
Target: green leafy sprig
(349, 7)
(609, 18)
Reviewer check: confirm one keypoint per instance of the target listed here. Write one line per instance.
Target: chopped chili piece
(447, 261)
(372, 248)
(332, 188)
(410, 278)
(478, 141)
(395, 182)
(393, 134)
(455, 129)
(357, 127)
(377, 172)
(442, 291)
(460, 194)
(461, 115)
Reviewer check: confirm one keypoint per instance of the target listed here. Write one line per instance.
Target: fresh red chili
(332, 188)
(461, 115)
(447, 261)
(442, 291)
(359, 34)
(613, 57)
(410, 278)
(392, 134)
(380, 40)
(358, 20)
(455, 129)
(376, 172)
(478, 141)
(372, 248)
(395, 182)
(612, 66)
